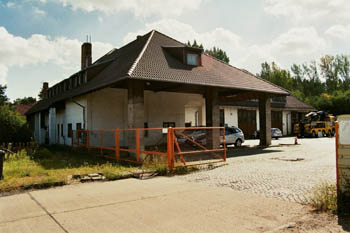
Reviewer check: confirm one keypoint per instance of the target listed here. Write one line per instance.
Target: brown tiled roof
(157, 64)
(23, 108)
(146, 59)
(293, 103)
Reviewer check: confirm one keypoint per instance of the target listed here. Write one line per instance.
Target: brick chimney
(45, 88)
(86, 57)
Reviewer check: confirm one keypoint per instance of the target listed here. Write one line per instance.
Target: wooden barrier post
(170, 139)
(117, 145)
(224, 137)
(138, 145)
(72, 139)
(77, 135)
(88, 140)
(101, 140)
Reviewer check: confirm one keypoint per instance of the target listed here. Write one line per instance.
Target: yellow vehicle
(330, 126)
(315, 127)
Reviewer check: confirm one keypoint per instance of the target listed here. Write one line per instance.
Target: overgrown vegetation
(325, 197)
(324, 85)
(13, 127)
(51, 165)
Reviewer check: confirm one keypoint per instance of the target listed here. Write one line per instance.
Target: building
(285, 112)
(154, 81)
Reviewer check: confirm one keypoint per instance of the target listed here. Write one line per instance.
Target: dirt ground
(316, 223)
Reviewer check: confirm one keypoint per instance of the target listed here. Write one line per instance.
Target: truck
(316, 124)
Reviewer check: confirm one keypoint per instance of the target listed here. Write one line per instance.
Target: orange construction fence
(174, 146)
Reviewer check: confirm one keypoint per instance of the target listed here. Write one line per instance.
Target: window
(42, 120)
(58, 131)
(145, 125)
(78, 126)
(168, 124)
(62, 130)
(192, 59)
(70, 132)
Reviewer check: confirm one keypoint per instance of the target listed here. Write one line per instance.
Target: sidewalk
(157, 205)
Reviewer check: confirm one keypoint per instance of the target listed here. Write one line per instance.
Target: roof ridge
(246, 71)
(133, 66)
(169, 37)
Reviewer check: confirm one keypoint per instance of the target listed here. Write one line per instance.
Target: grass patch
(325, 197)
(50, 166)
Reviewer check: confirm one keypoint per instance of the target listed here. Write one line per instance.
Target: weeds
(50, 166)
(325, 197)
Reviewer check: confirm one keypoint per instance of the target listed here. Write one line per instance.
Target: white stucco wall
(231, 115)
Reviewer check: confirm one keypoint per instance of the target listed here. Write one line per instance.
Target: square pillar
(212, 115)
(265, 120)
(136, 111)
(52, 126)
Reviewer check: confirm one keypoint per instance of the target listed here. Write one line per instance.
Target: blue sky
(40, 39)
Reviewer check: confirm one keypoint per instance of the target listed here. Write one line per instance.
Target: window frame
(193, 55)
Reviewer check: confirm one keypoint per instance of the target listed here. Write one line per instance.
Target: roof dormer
(187, 55)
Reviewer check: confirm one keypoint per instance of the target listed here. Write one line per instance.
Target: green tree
(218, 53)
(25, 100)
(3, 97)
(324, 85)
(214, 52)
(330, 72)
(13, 127)
(194, 44)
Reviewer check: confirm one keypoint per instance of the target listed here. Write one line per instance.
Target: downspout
(83, 107)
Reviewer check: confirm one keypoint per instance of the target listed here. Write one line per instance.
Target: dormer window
(192, 59)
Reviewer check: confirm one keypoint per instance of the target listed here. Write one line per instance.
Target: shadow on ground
(59, 157)
(231, 153)
(344, 221)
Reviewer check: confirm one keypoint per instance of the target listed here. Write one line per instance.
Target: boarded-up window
(70, 132)
(168, 124)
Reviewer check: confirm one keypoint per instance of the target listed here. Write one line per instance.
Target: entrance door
(247, 122)
(222, 117)
(276, 120)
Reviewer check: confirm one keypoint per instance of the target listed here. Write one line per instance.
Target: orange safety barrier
(174, 146)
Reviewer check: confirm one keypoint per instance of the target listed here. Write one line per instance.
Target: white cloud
(40, 49)
(3, 74)
(338, 31)
(38, 11)
(299, 42)
(303, 10)
(144, 8)
(10, 4)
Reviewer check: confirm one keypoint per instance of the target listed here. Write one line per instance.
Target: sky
(40, 40)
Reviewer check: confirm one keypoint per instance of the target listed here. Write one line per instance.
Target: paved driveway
(286, 172)
(156, 205)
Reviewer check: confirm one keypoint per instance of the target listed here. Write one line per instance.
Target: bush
(13, 127)
(325, 197)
